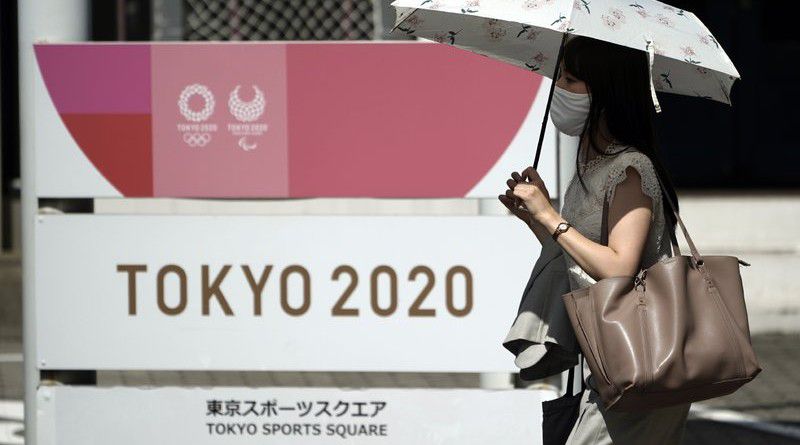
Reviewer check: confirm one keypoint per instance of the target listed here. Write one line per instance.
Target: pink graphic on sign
(102, 93)
(219, 120)
(277, 119)
(106, 78)
(413, 120)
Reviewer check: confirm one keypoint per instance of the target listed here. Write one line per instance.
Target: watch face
(562, 226)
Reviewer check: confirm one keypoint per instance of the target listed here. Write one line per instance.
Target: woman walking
(602, 95)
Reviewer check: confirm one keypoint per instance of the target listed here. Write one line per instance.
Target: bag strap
(570, 381)
(571, 378)
(698, 260)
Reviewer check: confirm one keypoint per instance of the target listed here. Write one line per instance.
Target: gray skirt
(597, 426)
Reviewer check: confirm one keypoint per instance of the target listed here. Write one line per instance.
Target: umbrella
(684, 57)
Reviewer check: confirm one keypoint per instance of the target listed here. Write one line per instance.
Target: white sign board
(288, 415)
(315, 293)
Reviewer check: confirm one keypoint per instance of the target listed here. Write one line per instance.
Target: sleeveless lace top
(584, 209)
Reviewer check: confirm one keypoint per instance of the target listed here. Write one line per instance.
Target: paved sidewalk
(774, 395)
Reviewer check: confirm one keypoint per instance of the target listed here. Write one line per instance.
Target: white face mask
(568, 110)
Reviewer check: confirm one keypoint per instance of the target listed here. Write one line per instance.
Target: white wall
(762, 229)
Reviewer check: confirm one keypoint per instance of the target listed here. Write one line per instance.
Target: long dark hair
(618, 81)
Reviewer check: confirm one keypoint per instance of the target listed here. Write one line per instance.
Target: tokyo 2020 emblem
(196, 134)
(208, 103)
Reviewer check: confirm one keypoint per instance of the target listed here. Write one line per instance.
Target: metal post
(52, 20)
(377, 19)
(3, 94)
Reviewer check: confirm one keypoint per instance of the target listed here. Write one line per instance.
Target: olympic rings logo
(196, 139)
(208, 102)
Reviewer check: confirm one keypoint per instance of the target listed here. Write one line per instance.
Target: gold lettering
(257, 288)
(416, 308)
(162, 304)
(131, 269)
(373, 285)
(463, 271)
(214, 291)
(338, 308)
(306, 290)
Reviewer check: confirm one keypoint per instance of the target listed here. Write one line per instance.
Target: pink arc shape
(345, 119)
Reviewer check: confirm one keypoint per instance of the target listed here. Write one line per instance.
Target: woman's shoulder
(631, 157)
(640, 162)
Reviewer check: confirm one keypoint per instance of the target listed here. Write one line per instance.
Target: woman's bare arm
(629, 217)
(538, 229)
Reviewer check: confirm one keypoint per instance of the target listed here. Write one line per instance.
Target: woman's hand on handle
(515, 204)
(533, 193)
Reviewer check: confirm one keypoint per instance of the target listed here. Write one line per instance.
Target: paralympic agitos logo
(197, 132)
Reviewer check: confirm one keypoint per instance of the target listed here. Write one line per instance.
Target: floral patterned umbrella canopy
(685, 58)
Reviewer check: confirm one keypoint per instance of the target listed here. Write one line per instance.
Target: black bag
(559, 415)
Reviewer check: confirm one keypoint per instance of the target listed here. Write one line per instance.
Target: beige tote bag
(676, 332)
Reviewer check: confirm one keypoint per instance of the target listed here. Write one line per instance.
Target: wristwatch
(562, 227)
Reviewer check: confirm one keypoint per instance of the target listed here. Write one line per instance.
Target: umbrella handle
(549, 99)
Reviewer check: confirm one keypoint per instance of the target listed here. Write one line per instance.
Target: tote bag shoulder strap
(571, 377)
(695, 254)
